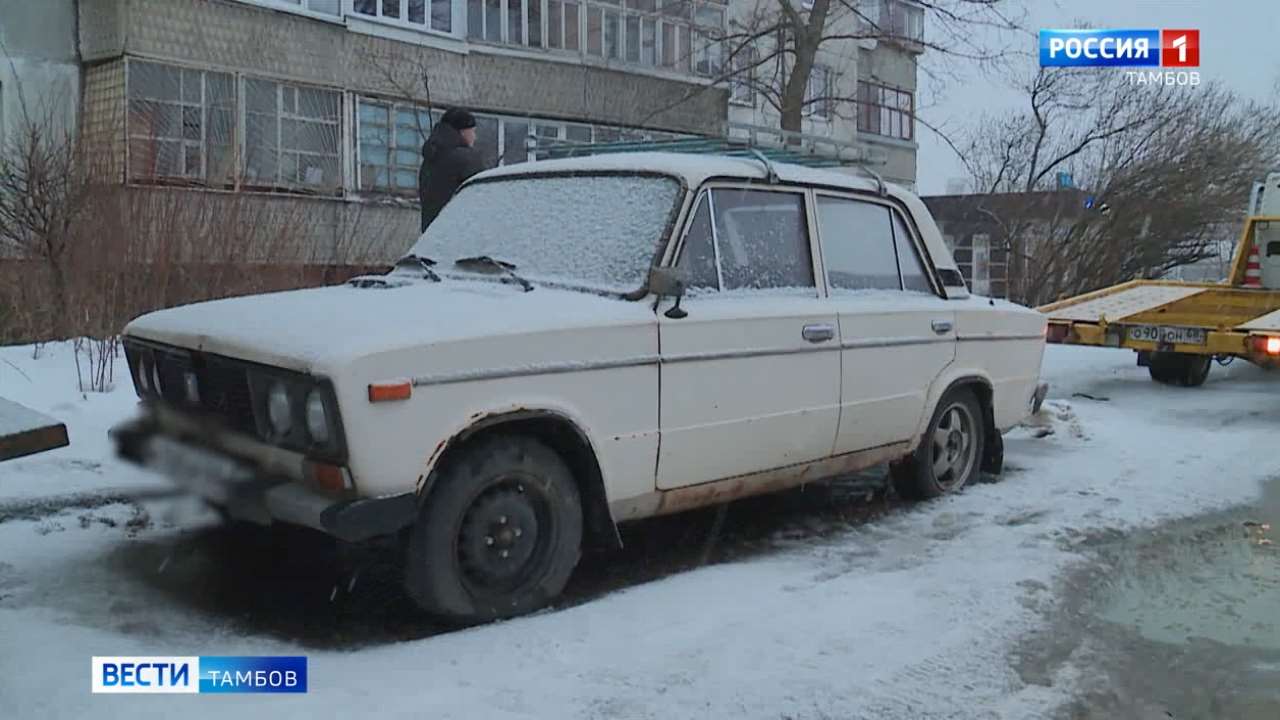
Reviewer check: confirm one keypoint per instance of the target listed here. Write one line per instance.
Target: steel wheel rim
(504, 537)
(953, 446)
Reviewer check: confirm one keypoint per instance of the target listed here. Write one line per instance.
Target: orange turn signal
(331, 478)
(385, 391)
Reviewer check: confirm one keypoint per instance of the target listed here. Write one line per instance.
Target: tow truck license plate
(1167, 335)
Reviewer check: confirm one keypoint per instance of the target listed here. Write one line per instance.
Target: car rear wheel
(498, 535)
(950, 454)
(1183, 369)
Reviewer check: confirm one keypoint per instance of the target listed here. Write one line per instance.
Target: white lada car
(578, 343)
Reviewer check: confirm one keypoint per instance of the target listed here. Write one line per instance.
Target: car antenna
(768, 166)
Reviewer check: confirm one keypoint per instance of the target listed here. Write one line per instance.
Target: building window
(484, 20)
(708, 57)
(292, 137)
(819, 93)
(887, 111)
(322, 7)
(742, 86)
(390, 145)
(182, 124)
(420, 14)
(903, 20)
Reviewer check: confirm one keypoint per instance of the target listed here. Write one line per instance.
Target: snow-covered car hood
(326, 327)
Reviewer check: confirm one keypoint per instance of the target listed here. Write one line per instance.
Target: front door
(750, 377)
(897, 334)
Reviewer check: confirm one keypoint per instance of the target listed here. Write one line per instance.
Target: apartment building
(324, 104)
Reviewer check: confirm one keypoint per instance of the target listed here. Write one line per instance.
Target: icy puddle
(1219, 583)
(1179, 622)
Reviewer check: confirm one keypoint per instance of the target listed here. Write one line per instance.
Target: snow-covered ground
(912, 615)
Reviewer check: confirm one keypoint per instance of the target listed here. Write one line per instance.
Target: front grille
(223, 386)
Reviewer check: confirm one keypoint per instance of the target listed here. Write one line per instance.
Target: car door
(750, 373)
(897, 333)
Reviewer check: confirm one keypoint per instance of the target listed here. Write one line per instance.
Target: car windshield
(594, 231)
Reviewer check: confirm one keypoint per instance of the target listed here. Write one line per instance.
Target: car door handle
(820, 332)
(942, 327)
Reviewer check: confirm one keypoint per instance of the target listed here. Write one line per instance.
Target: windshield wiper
(508, 269)
(419, 262)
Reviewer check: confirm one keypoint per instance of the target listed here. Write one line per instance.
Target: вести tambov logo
(1120, 48)
(202, 674)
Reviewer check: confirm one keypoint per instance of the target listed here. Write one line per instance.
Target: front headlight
(279, 409)
(144, 375)
(317, 418)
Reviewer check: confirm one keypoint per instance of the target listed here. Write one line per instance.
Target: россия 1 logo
(203, 674)
(1134, 48)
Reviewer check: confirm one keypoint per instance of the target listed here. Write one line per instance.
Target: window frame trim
(917, 241)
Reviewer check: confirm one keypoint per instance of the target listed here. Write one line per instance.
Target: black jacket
(446, 162)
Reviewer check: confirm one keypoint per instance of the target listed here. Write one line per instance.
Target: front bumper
(249, 490)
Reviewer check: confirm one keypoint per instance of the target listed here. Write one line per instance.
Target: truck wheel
(498, 535)
(1183, 369)
(949, 455)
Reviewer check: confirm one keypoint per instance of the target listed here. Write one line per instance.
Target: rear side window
(867, 246)
(762, 239)
(857, 245)
(913, 274)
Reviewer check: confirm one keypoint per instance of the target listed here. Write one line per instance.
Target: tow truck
(1179, 328)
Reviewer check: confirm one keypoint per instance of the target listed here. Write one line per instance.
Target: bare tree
(1169, 167)
(774, 48)
(44, 193)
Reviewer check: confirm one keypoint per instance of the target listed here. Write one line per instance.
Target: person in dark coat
(448, 158)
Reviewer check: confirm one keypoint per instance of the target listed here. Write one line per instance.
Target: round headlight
(279, 409)
(317, 418)
(144, 375)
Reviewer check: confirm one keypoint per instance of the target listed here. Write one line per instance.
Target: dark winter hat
(460, 119)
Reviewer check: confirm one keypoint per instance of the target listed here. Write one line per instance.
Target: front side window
(698, 257)
(598, 231)
(760, 241)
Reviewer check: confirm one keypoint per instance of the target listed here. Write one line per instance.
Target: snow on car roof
(696, 169)
(693, 169)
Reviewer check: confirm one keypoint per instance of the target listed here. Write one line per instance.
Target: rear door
(897, 333)
(750, 376)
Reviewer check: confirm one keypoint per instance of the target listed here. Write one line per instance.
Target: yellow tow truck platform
(1179, 328)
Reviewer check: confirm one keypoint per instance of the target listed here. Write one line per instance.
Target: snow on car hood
(306, 329)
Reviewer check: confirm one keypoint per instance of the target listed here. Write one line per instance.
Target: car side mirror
(669, 282)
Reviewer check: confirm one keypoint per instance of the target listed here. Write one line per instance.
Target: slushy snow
(910, 616)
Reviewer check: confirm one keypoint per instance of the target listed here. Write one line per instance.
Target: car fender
(952, 376)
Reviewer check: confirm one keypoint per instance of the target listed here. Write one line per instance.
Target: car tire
(1181, 369)
(499, 533)
(950, 453)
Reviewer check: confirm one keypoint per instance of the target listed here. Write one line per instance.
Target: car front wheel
(498, 535)
(950, 454)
